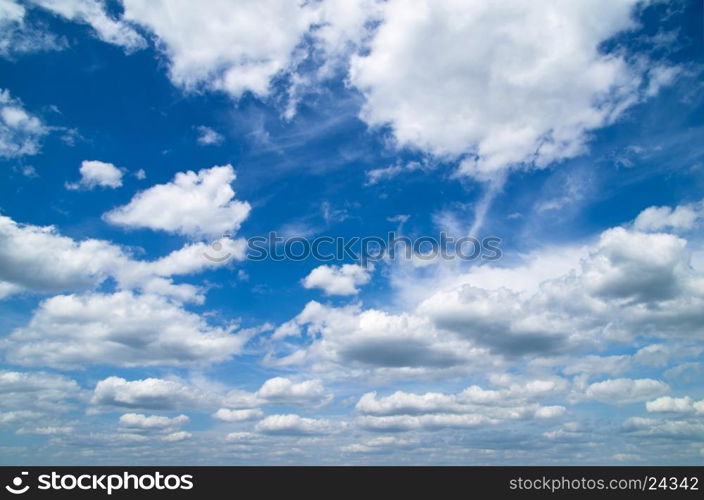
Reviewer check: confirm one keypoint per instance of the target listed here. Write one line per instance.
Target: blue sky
(134, 135)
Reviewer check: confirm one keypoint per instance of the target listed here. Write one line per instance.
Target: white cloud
(92, 12)
(97, 173)
(40, 259)
(193, 204)
(120, 329)
(148, 394)
(338, 280)
(683, 429)
(667, 404)
(681, 218)
(624, 390)
(32, 395)
(18, 37)
(293, 425)
(227, 415)
(222, 46)
(208, 137)
(280, 390)
(175, 437)
(627, 285)
(361, 341)
(530, 90)
(20, 132)
(139, 421)
(468, 408)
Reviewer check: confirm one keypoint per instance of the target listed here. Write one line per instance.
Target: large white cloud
(39, 258)
(121, 329)
(628, 285)
(505, 82)
(362, 341)
(193, 204)
(20, 131)
(222, 45)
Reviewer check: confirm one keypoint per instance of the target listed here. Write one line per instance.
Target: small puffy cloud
(20, 132)
(175, 437)
(120, 329)
(193, 204)
(139, 421)
(97, 174)
(519, 96)
(624, 390)
(294, 425)
(148, 394)
(92, 12)
(338, 280)
(681, 218)
(280, 390)
(208, 137)
(227, 415)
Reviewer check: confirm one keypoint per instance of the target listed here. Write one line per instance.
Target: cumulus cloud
(530, 90)
(363, 340)
(294, 425)
(628, 284)
(274, 391)
(97, 173)
(624, 390)
(40, 259)
(338, 280)
(681, 218)
(120, 329)
(471, 407)
(148, 394)
(668, 404)
(227, 415)
(20, 132)
(280, 390)
(193, 204)
(222, 47)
